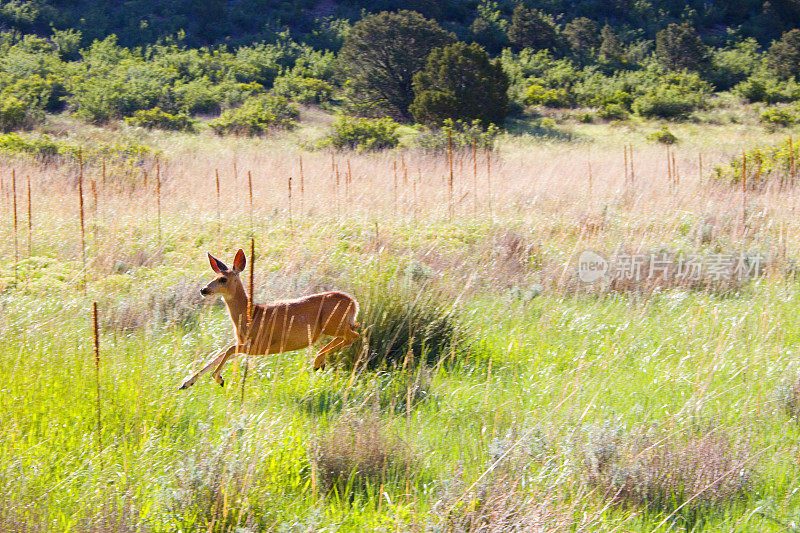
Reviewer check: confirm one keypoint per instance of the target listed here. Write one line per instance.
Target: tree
(531, 29)
(679, 47)
(784, 55)
(582, 36)
(382, 53)
(460, 82)
(611, 50)
(489, 28)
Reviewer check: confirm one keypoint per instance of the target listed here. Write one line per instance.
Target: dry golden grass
(538, 204)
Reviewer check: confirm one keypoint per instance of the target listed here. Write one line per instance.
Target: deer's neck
(237, 307)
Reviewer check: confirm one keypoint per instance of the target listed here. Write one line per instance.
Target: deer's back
(292, 322)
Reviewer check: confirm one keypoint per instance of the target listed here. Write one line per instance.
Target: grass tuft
(788, 398)
(358, 452)
(690, 476)
(403, 325)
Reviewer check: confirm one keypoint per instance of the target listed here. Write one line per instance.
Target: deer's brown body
(281, 326)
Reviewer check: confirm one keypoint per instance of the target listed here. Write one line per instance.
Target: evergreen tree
(460, 81)
(679, 47)
(784, 55)
(382, 53)
(582, 35)
(531, 29)
(611, 49)
(490, 28)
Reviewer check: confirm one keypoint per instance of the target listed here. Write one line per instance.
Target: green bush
(783, 56)
(364, 133)
(663, 136)
(257, 115)
(612, 111)
(305, 90)
(668, 101)
(460, 82)
(115, 82)
(198, 95)
(403, 323)
(36, 92)
(39, 147)
(14, 115)
(460, 134)
(762, 87)
(156, 118)
(733, 65)
(762, 165)
(536, 94)
(779, 117)
(532, 67)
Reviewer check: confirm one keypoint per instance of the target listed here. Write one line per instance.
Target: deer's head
(227, 281)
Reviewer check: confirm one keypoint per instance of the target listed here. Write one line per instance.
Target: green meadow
(548, 405)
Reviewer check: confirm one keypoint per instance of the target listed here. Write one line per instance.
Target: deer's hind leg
(346, 338)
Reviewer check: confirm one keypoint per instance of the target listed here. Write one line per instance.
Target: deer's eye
(223, 280)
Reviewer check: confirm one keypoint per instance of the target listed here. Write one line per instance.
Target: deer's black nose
(204, 291)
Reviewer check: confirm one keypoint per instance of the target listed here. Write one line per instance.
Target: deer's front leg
(189, 381)
(236, 348)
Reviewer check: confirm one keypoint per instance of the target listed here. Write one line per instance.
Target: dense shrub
(459, 134)
(303, 89)
(257, 115)
(530, 67)
(36, 92)
(460, 82)
(763, 164)
(364, 133)
(198, 95)
(115, 82)
(404, 324)
(779, 116)
(730, 66)
(159, 119)
(783, 56)
(14, 115)
(613, 111)
(672, 96)
(39, 147)
(663, 136)
(665, 102)
(761, 87)
(535, 94)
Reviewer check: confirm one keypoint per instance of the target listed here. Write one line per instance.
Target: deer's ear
(239, 261)
(216, 265)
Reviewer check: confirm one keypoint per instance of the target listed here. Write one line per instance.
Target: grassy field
(553, 406)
